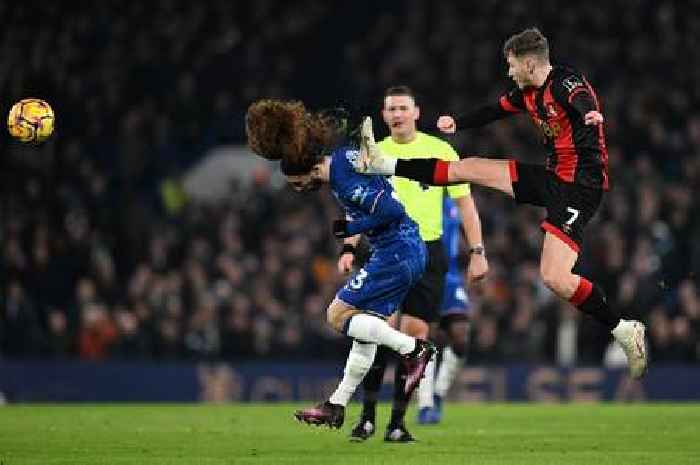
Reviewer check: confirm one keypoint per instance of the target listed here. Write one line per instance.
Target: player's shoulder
(343, 159)
(346, 155)
(567, 78)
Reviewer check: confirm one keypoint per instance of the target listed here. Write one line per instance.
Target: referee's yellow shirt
(423, 203)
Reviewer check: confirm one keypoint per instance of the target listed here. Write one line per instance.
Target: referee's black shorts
(424, 299)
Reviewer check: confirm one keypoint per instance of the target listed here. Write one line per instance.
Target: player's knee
(338, 315)
(414, 327)
(335, 319)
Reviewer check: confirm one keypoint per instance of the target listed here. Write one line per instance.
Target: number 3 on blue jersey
(359, 279)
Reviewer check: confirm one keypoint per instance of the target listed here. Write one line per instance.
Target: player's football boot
(425, 416)
(416, 362)
(630, 335)
(363, 430)
(332, 415)
(371, 160)
(398, 433)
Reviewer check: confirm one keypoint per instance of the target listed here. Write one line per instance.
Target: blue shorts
(382, 284)
(455, 300)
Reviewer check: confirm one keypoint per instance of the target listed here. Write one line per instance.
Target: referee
(424, 204)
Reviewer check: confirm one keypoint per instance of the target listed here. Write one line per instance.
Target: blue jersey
(455, 299)
(370, 203)
(398, 255)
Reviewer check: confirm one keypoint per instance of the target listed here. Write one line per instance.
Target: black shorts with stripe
(570, 207)
(424, 299)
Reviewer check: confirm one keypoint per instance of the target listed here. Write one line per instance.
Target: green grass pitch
(591, 434)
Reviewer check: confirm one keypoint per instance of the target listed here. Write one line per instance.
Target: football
(31, 120)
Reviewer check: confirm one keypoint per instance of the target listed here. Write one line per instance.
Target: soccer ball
(31, 120)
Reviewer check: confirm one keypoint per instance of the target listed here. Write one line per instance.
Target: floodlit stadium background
(147, 255)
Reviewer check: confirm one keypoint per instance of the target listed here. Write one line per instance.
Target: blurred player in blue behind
(313, 151)
(453, 310)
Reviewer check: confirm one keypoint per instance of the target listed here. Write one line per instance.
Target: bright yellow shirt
(423, 203)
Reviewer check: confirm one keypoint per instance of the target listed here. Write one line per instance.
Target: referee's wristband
(347, 248)
(478, 249)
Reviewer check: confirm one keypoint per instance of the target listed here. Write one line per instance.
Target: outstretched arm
(478, 265)
(576, 91)
(507, 105)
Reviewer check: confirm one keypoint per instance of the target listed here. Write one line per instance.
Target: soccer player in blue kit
(313, 152)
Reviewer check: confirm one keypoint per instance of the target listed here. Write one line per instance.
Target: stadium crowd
(93, 266)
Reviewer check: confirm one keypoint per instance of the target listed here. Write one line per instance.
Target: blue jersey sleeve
(368, 200)
(382, 209)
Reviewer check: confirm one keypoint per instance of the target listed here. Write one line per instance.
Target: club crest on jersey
(352, 155)
(551, 110)
(358, 194)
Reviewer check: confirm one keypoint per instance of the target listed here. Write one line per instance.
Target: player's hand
(345, 262)
(592, 118)
(447, 124)
(477, 269)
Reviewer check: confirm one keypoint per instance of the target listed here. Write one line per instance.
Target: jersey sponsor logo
(550, 130)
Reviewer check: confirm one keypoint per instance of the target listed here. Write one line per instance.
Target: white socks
(448, 370)
(373, 329)
(357, 365)
(425, 388)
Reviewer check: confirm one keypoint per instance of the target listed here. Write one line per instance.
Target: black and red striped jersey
(576, 153)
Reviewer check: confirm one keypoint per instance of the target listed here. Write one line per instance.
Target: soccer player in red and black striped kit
(565, 108)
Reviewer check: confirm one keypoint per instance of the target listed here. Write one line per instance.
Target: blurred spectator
(95, 264)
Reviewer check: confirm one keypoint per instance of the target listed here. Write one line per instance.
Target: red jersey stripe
(564, 146)
(513, 170)
(550, 228)
(583, 291)
(506, 105)
(601, 138)
(576, 91)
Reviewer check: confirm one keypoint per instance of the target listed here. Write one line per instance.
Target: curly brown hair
(284, 130)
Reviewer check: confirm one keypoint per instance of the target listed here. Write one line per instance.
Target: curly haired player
(565, 108)
(313, 151)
